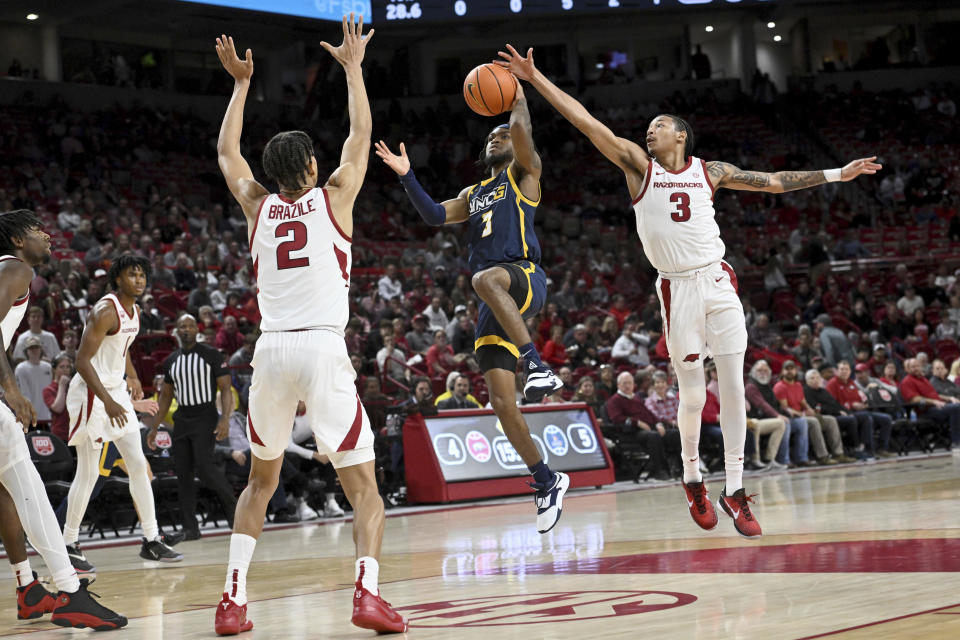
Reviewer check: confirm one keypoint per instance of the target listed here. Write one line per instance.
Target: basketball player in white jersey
(672, 193)
(300, 246)
(23, 500)
(101, 408)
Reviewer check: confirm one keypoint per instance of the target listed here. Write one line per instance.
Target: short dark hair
(15, 225)
(682, 125)
(286, 157)
(124, 262)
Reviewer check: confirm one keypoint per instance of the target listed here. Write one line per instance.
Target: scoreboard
(412, 11)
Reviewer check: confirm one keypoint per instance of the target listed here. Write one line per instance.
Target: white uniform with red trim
(302, 260)
(13, 446)
(88, 418)
(676, 222)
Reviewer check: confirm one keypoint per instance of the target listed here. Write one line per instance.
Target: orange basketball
(489, 89)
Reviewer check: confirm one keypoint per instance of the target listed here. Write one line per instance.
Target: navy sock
(529, 353)
(541, 473)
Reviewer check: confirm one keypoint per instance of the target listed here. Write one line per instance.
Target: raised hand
(399, 163)
(857, 167)
(241, 70)
(351, 51)
(519, 66)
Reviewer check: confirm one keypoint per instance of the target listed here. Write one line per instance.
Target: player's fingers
(530, 53)
(359, 25)
(513, 51)
(403, 150)
(501, 63)
(346, 28)
(366, 39)
(504, 55)
(326, 45)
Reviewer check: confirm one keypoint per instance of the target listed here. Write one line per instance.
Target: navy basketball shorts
(528, 288)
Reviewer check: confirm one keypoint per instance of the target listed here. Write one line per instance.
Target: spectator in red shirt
(55, 396)
(229, 338)
(440, 358)
(625, 407)
(619, 310)
(789, 392)
(554, 352)
(917, 391)
(847, 393)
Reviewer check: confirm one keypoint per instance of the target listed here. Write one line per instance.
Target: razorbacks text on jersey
(675, 218)
(11, 321)
(301, 259)
(501, 223)
(110, 359)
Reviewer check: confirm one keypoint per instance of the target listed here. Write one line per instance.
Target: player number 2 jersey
(676, 219)
(302, 260)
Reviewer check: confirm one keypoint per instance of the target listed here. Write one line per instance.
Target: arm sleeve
(433, 214)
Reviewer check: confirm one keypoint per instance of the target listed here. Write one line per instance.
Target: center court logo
(556, 440)
(478, 446)
(542, 608)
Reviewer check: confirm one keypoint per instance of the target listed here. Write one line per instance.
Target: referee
(193, 373)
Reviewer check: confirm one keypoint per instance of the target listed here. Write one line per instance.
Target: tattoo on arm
(750, 178)
(793, 180)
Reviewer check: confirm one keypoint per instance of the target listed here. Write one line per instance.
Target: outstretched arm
(433, 213)
(344, 184)
(723, 174)
(247, 191)
(526, 160)
(627, 155)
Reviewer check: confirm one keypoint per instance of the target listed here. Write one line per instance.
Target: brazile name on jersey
(290, 211)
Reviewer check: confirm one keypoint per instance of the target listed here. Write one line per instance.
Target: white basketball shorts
(702, 314)
(13, 444)
(88, 418)
(313, 366)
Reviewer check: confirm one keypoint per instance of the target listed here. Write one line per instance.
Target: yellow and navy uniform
(501, 234)
(109, 458)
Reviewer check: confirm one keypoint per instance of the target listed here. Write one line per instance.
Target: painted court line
(878, 622)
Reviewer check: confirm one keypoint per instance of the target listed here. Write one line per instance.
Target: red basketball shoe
(737, 507)
(701, 510)
(373, 612)
(33, 600)
(231, 618)
(80, 610)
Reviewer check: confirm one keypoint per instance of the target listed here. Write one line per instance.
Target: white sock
(693, 395)
(733, 417)
(24, 485)
(70, 534)
(241, 552)
(141, 491)
(22, 572)
(367, 571)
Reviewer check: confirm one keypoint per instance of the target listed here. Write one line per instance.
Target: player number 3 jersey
(676, 219)
(301, 260)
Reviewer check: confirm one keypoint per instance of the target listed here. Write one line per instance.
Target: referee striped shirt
(193, 375)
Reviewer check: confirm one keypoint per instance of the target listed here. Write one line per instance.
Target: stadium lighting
(709, 28)
(777, 38)
(32, 16)
(771, 25)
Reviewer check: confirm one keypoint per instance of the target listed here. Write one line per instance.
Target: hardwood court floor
(861, 551)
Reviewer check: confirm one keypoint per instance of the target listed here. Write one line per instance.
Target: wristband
(832, 175)
(433, 214)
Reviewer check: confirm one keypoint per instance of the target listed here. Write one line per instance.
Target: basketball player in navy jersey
(672, 195)
(505, 261)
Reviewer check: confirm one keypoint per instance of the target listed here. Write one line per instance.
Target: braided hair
(286, 158)
(682, 125)
(124, 262)
(15, 225)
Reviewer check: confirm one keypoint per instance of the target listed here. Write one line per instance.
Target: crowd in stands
(847, 360)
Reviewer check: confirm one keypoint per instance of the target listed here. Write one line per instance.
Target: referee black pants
(193, 441)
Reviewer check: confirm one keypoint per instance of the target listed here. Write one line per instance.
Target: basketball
(489, 89)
